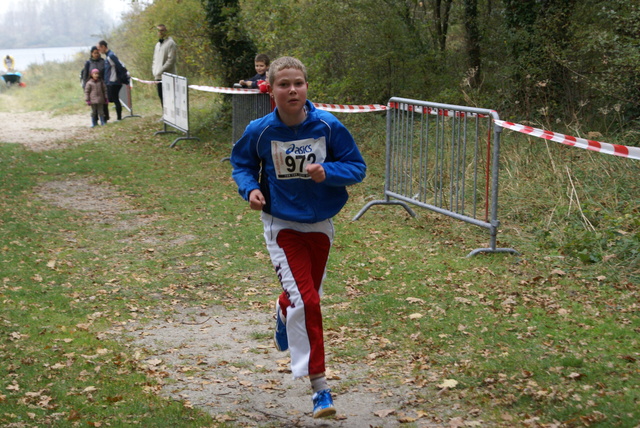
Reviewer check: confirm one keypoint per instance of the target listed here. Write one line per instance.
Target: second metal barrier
(248, 107)
(441, 157)
(175, 109)
(125, 98)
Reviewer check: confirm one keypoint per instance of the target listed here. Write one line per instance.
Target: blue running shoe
(323, 404)
(280, 336)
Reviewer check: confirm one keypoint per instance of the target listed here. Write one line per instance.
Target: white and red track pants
(299, 253)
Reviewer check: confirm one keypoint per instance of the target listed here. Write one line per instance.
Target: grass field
(547, 338)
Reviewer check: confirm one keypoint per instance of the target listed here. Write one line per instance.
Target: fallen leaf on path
(448, 383)
(510, 301)
(384, 413)
(74, 415)
(575, 376)
(456, 422)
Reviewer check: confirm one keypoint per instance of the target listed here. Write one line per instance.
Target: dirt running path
(41, 131)
(221, 362)
(218, 360)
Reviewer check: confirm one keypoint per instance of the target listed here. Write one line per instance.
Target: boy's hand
(88, 103)
(316, 172)
(256, 200)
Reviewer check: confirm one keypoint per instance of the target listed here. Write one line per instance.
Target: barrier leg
(387, 202)
(493, 250)
(164, 131)
(182, 138)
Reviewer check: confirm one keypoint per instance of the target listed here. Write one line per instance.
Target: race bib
(291, 158)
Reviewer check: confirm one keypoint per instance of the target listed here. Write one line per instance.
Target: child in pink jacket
(95, 92)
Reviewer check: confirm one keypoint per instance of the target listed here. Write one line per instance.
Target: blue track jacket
(272, 156)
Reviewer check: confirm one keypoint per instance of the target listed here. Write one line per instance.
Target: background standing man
(115, 75)
(164, 57)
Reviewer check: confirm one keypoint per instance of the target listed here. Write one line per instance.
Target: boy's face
(261, 67)
(289, 91)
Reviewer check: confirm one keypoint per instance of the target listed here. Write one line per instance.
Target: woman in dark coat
(94, 61)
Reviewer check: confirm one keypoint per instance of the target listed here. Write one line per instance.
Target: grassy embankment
(551, 335)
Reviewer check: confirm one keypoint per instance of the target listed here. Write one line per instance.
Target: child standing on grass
(294, 165)
(95, 92)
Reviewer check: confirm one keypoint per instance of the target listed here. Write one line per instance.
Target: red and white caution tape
(597, 146)
(221, 90)
(328, 107)
(217, 89)
(341, 108)
(149, 82)
(433, 110)
(611, 149)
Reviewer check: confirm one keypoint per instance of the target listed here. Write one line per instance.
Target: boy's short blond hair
(284, 63)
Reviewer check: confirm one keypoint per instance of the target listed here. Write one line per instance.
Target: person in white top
(164, 57)
(9, 63)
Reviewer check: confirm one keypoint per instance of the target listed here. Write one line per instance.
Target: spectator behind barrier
(261, 63)
(164, 58)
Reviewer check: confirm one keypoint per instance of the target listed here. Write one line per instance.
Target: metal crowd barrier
(125, 98)
(248, 107)
(175, 110)
(437, 158)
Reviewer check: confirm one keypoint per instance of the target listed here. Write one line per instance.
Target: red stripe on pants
(307, 255)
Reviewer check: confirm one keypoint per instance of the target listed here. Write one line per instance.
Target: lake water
(26, 57)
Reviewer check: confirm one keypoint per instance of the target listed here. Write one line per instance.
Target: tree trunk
(441, 21)
(235, 49)
(472, 40)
